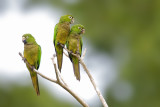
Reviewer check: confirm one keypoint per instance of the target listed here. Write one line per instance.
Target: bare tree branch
(62, 83)
(94, 84)
(58, 74)
(66, 54)
(84, 53)
(58, 81)
(90, 77)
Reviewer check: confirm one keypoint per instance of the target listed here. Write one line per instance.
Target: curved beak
(83, 31)
(24, 40)
(72, 21)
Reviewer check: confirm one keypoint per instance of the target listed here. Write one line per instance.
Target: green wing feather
(67, 43)
(81, 44)
(55, 33)
(39, 56)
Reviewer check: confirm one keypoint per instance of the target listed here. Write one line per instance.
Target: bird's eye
(79, 28)
(26, 37)
(70, 17)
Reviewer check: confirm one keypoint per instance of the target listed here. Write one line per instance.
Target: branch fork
(89, 75)
(60, 81)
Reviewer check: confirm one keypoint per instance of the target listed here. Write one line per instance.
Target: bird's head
(78, 28)
(67, 18)
(28, 39)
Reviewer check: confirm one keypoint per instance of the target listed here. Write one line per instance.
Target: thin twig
(90, 77)
(66, 54)
(84, 53)
(58, 74)
(54, 64)
(69, 90)
(94, 84)
(58, 81)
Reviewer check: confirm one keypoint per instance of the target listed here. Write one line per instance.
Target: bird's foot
(32, 68)
(24, 59)
(60, 44)
(77, 53)
(70, 52)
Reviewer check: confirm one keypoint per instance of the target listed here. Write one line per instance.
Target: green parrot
(32, 53)
(74, 44)
(61, 32)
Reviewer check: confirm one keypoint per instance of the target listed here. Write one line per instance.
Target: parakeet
(32, 53)
(61, 32)
(74, 44)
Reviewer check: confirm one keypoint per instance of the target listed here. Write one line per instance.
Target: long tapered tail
(59, 61)
(76, 68)
(34, 79)
(76, 71)
(59, 53)
(35, 82)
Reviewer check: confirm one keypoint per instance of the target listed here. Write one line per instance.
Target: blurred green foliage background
(18, 96)
(127, 30)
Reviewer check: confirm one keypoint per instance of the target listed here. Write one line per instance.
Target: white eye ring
(70, 17)
(27, 37)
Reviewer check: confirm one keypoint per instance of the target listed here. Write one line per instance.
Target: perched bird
(32, 53)
(61, 32)
(74, 44)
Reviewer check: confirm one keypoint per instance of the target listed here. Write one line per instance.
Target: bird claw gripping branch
(78, 53)
(60, 44)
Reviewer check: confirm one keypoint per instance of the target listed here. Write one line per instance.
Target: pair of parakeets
(62, 35)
